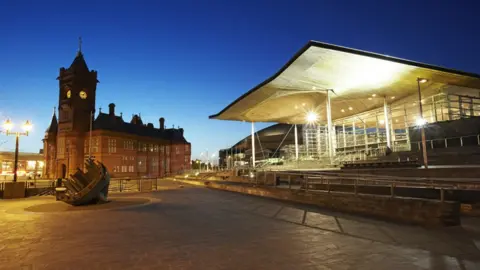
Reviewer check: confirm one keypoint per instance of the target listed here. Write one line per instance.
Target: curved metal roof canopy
(352, 75)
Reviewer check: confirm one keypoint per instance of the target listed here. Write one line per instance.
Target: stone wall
(406, 210)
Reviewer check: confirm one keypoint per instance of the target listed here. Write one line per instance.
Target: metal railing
(461, 141)
(133, 184)
(357, 183)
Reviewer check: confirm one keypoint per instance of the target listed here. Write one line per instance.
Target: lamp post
(421, 122)
(8, 125)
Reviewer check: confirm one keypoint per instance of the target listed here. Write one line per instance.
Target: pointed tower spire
(79, 63)
(53, 128)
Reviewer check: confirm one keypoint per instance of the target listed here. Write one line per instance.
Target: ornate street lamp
(8, 125)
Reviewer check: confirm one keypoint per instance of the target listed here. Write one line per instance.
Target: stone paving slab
(199, 228)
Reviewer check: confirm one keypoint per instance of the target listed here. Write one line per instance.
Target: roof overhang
(352, 75)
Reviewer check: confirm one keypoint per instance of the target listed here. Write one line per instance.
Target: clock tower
(76, 107)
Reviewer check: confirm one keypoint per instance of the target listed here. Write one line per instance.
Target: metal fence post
(446, 144)
(442, 194)
(461, 141)
(392, 189)
(431, 144)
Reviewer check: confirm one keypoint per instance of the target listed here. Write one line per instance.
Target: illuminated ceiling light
(303, 104)
(374, 95)
(382, 122)
(311, 117)
(422, 80)
(369, 98)
(420, 121)
(414, 103)
(392, 97)
(343, 110)
(296, 107)
(350, 108)
(314, 88)
(396, 120)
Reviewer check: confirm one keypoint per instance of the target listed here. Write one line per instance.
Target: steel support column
(331, 139)
(407, 132)
(365, 135)
(296, 142)
(253, 145)
(386, 120)
(354, 135)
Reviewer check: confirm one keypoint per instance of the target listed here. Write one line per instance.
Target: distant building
(127, 149)
(28, 163)
(273, 142)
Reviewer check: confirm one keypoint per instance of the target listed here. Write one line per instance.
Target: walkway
(199, 228)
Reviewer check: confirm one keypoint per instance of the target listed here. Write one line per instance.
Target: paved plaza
(199, 228)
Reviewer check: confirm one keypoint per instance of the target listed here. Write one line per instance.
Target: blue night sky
(186, 60)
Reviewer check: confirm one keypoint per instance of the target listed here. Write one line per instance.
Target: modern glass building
(357, 105)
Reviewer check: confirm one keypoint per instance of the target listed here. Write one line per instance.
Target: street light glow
(311, 117)
(27, 126)
(8, 125)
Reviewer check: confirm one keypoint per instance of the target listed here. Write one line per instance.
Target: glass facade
(364, 135)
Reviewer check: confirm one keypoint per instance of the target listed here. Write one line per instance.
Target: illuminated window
(142, 164)
(61, 147)
(31, 164)
(112, 145)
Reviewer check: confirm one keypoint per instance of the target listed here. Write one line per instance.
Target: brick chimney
(111, 109)
(162, 123)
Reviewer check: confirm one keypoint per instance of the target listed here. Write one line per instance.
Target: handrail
(384, 178)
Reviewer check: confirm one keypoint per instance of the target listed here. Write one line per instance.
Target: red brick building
(127, 148)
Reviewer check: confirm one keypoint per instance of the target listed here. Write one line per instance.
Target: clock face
(83, 94)
(69, 93)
